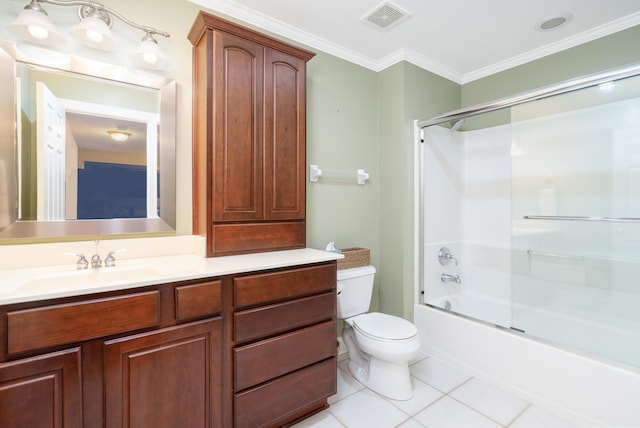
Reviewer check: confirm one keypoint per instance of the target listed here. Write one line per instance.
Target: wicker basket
(354, 257)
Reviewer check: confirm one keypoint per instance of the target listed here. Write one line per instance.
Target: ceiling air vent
(385, 16)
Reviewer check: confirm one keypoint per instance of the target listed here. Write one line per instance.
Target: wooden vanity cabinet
(284, 351)
(256, 349)
(131, 358)
(249, 139)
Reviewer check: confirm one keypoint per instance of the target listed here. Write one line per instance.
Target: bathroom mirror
(63, 175)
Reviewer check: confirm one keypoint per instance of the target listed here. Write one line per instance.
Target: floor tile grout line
(518, 415)
(477, 411)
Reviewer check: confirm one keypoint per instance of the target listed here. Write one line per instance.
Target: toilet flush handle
(339, 288)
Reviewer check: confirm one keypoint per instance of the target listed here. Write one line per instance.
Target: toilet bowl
(380, 346)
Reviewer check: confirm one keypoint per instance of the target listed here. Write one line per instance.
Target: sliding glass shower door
(575, 262)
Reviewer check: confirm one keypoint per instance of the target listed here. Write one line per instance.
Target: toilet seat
(384, 327)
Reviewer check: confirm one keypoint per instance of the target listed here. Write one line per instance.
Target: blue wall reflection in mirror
(109, 190)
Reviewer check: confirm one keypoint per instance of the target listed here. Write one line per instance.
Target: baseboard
(343, 354)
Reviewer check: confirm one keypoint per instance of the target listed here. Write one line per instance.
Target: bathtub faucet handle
(444, 256)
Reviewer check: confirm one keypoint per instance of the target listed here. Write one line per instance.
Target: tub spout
(445, 277)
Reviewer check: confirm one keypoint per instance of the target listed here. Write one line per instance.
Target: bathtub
(489, 309)
(589, 392)
(598, 333)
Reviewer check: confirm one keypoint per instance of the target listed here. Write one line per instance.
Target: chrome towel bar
(578, 218)
(554, 255)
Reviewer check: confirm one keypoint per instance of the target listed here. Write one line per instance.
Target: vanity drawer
(271, 287)
(270, 320)
(270, 358)
(286, 396)
(198, 300)
(56, 325)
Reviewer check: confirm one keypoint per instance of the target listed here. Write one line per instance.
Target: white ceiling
(462, 40)
(90, 132)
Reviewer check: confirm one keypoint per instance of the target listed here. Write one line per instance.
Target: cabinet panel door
(167, 378)
(284, 142)
(237, 145)
(43, 391)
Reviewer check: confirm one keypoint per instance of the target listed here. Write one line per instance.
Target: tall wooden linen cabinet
(249, 139)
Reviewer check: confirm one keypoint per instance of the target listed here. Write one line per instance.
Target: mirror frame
(14, 231)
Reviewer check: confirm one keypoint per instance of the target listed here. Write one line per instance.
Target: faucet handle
(82, 262)
(110, 260)
(444, 256)
(96, 262)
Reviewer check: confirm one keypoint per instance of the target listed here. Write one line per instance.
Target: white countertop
(39, 283)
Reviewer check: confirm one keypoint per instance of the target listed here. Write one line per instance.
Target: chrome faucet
(446, 277)
(82, 262)
(110, 260)
(96, 261)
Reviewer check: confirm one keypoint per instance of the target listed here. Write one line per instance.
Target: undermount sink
(74, 279)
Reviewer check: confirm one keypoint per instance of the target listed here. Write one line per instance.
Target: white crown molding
(570, 42)
(435, 67)
(280, 28)
(257, 19)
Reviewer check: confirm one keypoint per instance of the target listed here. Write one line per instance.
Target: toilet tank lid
(355, 272)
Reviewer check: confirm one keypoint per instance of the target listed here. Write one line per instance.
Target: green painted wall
(405, 93)
(342, 136)
(390, 121)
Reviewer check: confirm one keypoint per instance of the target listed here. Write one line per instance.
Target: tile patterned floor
(444, 397)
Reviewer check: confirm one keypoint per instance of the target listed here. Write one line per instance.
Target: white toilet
(380, 346)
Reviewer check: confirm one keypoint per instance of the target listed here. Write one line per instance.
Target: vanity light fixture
(119, 135)
(149, 55)
(33, 24)
(94, 29)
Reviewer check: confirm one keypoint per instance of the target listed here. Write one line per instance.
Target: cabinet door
(237, 146)
(43, 391)
(284, 130)
(166, 378)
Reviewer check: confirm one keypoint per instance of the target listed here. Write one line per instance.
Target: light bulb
(95, 36)
(38, 32)
(150, 58)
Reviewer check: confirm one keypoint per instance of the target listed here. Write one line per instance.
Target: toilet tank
(355, 287)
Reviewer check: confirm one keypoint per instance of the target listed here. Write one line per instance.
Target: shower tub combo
(529, 278)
